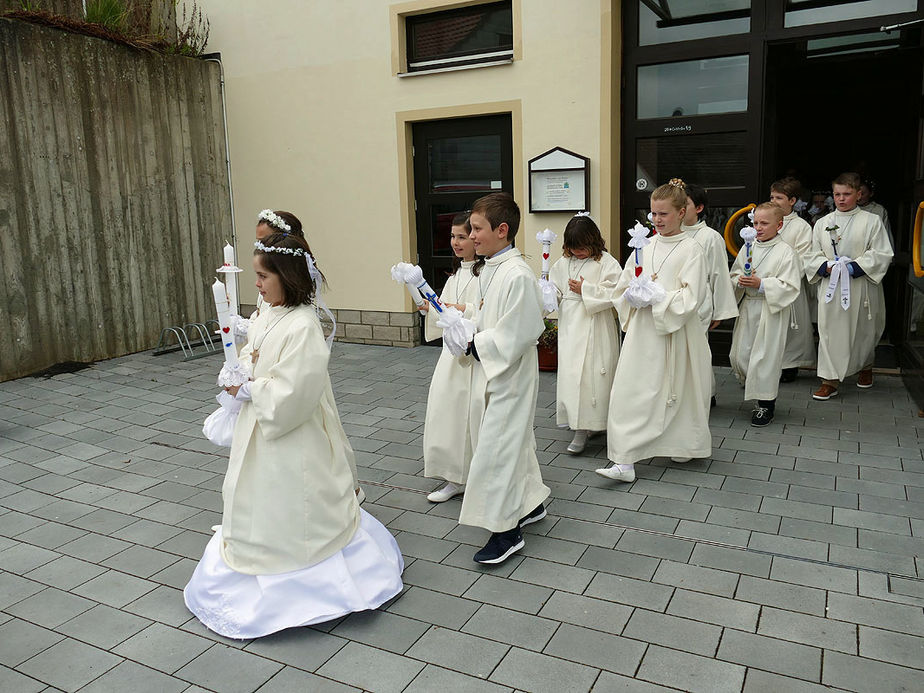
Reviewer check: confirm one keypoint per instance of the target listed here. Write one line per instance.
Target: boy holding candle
(850, 256)
(504, 489)
(767, 276)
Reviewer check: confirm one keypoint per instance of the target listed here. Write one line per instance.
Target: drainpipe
(216, 58)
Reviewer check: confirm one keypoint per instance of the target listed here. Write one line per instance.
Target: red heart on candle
(545, 256)
(638, 271)
(225, 329)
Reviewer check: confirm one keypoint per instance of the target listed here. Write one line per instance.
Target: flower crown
(677, 183)
(297, 252)
(274, 220)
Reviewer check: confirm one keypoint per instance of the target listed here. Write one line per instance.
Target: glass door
(456, 161)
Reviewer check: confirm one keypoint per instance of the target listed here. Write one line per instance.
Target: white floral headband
(297, 252)
(582, 214)
(274, 220)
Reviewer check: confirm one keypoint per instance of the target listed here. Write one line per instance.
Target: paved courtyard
(790, 561)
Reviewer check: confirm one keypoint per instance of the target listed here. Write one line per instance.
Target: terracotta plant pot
(548, 358)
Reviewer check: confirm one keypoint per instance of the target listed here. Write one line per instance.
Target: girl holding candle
(447, 439)
(293, 548)
(588, 341)
(659, 404)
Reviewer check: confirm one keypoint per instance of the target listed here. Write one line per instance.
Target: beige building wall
(319, 122)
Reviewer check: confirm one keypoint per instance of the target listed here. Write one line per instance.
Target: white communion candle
(224, 322)
(230, 271)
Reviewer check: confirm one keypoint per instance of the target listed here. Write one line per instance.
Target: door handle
(916, 241)
(730, 229)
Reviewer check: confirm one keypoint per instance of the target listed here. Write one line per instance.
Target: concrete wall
(114, 199)
(318, 123)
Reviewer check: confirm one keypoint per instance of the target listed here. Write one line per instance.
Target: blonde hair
(674, 191)
(771, 208)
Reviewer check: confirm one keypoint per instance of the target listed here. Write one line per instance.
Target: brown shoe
(865, 379)
(825, 392)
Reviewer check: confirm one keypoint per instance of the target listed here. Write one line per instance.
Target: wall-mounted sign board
(559, 182)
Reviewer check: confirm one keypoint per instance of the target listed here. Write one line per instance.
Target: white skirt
(363, 575)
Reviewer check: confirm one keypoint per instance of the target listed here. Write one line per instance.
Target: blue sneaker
(501, 546)
(534, 516)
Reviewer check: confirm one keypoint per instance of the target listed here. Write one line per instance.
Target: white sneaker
(681, 460)
(360, 495)
(578, 443)
(617, 473)
(445, 492)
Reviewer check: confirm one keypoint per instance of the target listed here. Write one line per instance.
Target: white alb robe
(588, 341)
(504, 482)
(447, 439)
(719, 303)
(659, 404)
(800, 338)
(847, 339)
(874, 207)
(288, 493)
(759, 339)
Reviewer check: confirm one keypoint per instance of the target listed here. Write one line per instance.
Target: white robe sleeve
(558, 275)
(818, 254)
(599, 296)
(782, 289)
(624, 309)
(431, 331)
(673, 312)
(292, 389)
(737, 270)
(724, 305)
(877, 257)
(517, 329)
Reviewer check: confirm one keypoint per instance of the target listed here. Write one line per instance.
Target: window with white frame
(464, 37)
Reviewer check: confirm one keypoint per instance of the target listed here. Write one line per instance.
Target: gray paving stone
(690, 672)
(140, 561)
(23, 558)
(770, 654)
(428, 548)
(491, 589)
(696, 578)
(459, 651)
(585, 611)
(14, 681)
(814, 575)
(228, 669)
(289, 679)
(14, 588)
(540, 673)
(547, 548)
(608, 682)
(727, 499)
(635, 519)
(590, 647)
(860, 674)
(712, 532)
(875, 612)
(50, 535)
(512, 627)
(888, 646)
(809, 630)
(807, 600)
(586, 532)
(712, 609)
(69, 664)
(791, 508)
(434, 607)
(657, 546)
(619, 563)
(434, 678)
(673, 632)
(616, 588)
(758, 681)
(20, 640)
(50, 607)
(819, 531)
(788, 546)
(371, 669)
(93, 547)
(103, 626)
(732, 560)
(553, 575)
(129, 676)
(439, 577)
(872, 560)
(163, 648)
(114, 588)
(381, 629)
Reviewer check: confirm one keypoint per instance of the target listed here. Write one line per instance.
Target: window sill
(455, 68)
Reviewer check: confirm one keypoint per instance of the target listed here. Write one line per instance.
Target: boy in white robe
(588, 341)
(850, 256)
(866, 202)
(767, 282)
(719, 303)
(504, 489)
(447, 441)
(659, 405)
(797, 233)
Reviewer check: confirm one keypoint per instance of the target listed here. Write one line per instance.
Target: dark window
(455, 38)
(715, 161)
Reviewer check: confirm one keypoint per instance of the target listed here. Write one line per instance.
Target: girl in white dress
(293, 548)
(588, 341)
(447, 439)
(659, 406)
